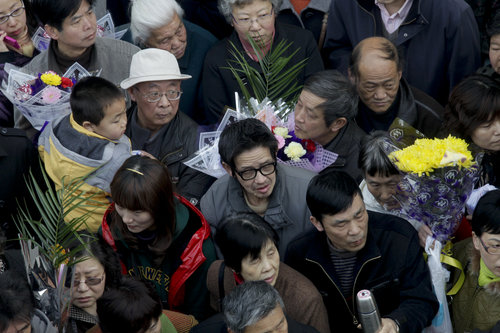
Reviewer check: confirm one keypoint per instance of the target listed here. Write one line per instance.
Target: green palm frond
(274, 80)
(51, 233)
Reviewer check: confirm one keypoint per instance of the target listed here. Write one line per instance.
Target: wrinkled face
(378, 83)
(487, 135)
(85, 291)
(78, 31)
(264, 267)
(274, 322)
(154, 115)
(113, 125)
(495, 52)
(255, 19)
(135, 220)
(261, 187)
(15, 26)
(171, 37)
(492, 241)
(310, 120)
(347, 230)
(383, 189)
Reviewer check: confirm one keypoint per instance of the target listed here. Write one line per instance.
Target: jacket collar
(86, 132)
(474, 264)
(342, 143)
(407, 109)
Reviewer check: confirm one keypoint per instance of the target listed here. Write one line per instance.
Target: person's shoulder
(199, 33)
(303, 242)
(296, 327)
(9, 132)
(113, 46)
(291, 174)
(448, 11)
(303, 288)
(294, 34)
(387, 224)
(214, 324)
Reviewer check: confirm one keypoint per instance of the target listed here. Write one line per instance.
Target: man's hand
(423, 232)
(388, 326)
(3, 46)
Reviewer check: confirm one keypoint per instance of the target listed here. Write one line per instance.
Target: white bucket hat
(153, 65)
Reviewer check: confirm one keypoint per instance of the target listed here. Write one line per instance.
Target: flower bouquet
(43, 97)
(439, 174)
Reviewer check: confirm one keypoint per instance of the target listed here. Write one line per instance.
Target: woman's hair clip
(136, 171)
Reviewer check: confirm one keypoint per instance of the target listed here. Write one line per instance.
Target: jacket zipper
(357, 275)
(169, 154)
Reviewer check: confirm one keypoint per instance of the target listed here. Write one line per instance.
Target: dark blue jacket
(438, 41)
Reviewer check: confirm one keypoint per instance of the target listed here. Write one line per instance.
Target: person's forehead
(253, 157)
(382, 179)
(159, 84)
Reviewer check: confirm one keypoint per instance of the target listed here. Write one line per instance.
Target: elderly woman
(254, 19)
(249, 246)
(477, 305)
(159, 24)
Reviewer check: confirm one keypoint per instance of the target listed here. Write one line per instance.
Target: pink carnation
(281, 141)
(51, 95)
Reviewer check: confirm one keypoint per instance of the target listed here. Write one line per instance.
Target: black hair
(486, 214)
(241, 235)
(494, 25)
(54, 12)
(373, 159)
(331, 193)
(245, 135)
(341, 97)
(16, 299)
(389, 50)
(90, 97)
(130, 307)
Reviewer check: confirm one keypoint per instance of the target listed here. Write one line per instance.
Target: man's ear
(400, 74)
(317, 224)
(351, 76)
(88, 126)
(337, 124)
(228, 169)
(51, 31)
(476, 242)
(131, 92)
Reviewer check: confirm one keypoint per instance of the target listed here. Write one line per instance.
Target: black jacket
(391, 265)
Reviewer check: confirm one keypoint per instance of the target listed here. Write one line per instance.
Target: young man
(256, 183)
(72, 26)
(352, 249)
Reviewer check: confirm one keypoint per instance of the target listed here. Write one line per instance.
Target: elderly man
(438, 40)
(159, 24)
(72, 26)
(256, 183)
(352, 249)
(154, 123)
(252, 307)
(384, 94)
(325, 114)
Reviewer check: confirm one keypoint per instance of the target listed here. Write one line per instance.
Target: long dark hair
(142, 183)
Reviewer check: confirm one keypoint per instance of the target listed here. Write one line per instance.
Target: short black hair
(331, 193)
(54, 12)
(373, 159)
(494, 25)
(486, 214)
(90, 97)
(340, 95)
(129, 307)
(245, 135)
(241, 235)
(16, 299)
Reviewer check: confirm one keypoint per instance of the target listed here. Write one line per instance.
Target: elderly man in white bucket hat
(155, 124)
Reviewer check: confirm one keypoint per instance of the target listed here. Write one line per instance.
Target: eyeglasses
(155, 96)
(247, 22)
(16, 12)
(93, 281)
(250, 174)
(490, 249)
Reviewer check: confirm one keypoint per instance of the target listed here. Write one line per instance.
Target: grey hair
(226, 6)
(147, 15)
(340, 94)
(248, 303)
(373, 159)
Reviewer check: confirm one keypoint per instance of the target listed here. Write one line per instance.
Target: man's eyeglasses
(155, 96)
(490, 249)
(16, 12)
(263, 19)
(250, 174)
(93, 281)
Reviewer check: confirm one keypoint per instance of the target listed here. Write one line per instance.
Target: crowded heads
(158, 24)
(375, 68)
(327, 102)
(17, 304)
(494, 35)
(155, 85)
(254, 307)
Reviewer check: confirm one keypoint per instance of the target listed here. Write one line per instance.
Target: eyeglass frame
(240, 173)
(161, 95)
(11, 14)
(251, 20)
(76, 283)
(488, 247)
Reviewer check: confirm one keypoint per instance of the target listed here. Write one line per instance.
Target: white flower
(282, 131)
(295, 151)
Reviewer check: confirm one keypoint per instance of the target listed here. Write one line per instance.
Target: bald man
(384, 94)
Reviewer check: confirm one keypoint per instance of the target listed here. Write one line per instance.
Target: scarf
(485, 275)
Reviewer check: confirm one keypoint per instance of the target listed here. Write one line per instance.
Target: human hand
(423, 232)
(388, 326)
(3, 46)
(145, 153)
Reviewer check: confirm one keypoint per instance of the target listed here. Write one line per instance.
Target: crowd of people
(266, 247)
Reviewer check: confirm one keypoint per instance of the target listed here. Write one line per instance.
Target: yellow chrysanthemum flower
(51, 79)
(426, 155)
(295, 151)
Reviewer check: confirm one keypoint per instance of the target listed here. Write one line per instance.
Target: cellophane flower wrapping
(435, 197)
(38, 101)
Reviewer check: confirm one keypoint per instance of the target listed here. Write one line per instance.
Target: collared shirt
(392, 22)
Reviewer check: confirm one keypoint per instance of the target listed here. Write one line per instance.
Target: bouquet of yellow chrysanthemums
(439, 174)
